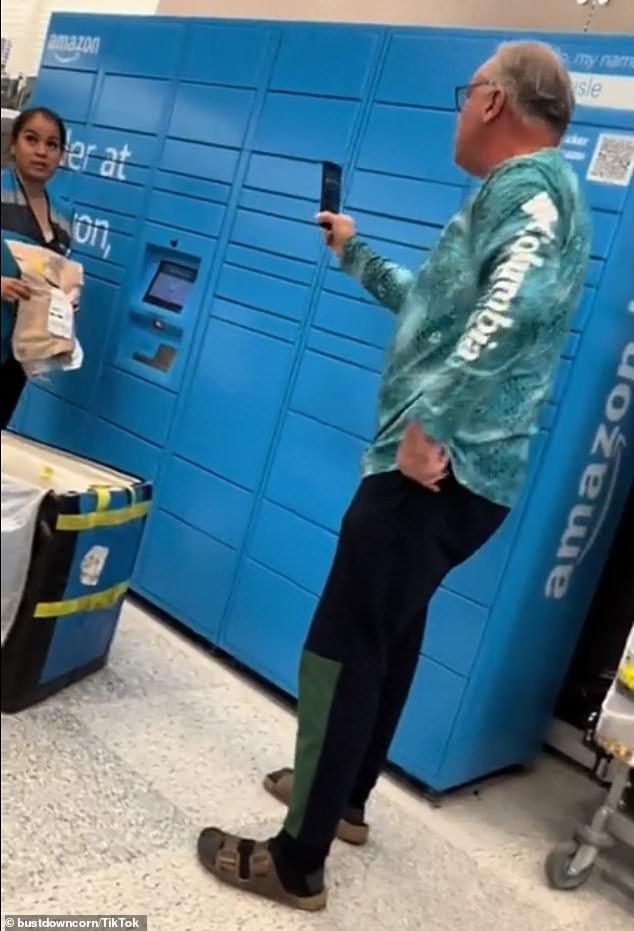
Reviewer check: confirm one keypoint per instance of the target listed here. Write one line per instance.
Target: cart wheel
(559, 871)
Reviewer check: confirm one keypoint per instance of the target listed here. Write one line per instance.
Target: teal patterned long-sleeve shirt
(482, 325)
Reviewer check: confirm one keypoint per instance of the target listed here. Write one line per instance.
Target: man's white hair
(537, 83)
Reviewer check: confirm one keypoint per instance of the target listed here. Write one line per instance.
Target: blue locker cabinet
(229, 362)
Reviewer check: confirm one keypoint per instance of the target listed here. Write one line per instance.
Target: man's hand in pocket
(421, 459)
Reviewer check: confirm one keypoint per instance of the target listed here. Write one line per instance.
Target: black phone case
(330, 188)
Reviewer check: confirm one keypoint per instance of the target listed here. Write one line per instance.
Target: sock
(299, 867)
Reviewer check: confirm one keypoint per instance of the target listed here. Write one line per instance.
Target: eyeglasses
(464, 92)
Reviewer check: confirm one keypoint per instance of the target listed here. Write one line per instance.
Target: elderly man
(480, 329)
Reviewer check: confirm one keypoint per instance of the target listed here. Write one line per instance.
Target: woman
(29, 214)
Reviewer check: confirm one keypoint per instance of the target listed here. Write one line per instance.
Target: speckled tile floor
(105, 787)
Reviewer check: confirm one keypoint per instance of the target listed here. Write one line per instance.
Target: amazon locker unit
(232, 364)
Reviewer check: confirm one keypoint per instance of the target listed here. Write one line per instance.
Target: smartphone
(330, 189)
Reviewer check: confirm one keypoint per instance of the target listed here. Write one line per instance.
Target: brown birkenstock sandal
(352, 829)
(249, 865)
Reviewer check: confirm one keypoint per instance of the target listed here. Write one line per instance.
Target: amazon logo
(598, 483)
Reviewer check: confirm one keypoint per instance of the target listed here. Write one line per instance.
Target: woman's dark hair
(22, 121)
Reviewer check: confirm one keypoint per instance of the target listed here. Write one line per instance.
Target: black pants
(13, 382)
(397, 543)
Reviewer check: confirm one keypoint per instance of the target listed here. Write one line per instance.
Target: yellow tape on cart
(102, 494)
(100, 601)
(94, 519)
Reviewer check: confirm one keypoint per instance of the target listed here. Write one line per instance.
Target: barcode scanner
(330, 190)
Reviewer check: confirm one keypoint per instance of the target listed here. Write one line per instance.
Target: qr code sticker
(613, 160)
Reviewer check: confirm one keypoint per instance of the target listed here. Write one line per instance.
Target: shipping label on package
(60, 315)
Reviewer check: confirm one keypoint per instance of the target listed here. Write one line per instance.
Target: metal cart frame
(570, 865)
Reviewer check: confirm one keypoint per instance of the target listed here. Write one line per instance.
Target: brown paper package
(43, 271)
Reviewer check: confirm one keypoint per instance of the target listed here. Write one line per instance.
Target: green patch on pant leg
(318, 679)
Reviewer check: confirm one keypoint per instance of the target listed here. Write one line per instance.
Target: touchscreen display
(170, 286)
